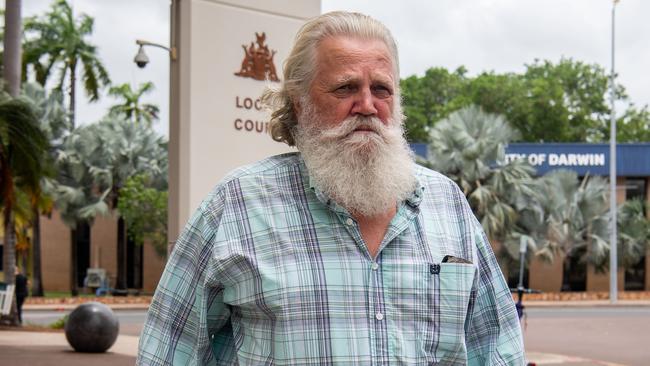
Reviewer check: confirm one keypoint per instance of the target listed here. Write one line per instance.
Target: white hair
(299, 67)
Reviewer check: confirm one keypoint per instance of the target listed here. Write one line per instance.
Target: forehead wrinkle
(342, 56)
(341, 61)
(339, 51)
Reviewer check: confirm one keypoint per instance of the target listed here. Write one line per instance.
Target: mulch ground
(30, 328)
(546, 296)
(108, 300)
(585, 296)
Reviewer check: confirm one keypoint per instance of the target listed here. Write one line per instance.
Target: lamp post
(613, 260)
(520, 284)
(141, 59)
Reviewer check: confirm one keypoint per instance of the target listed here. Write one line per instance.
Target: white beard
(367, 173)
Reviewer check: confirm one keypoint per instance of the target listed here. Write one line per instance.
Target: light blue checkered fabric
(269, 271)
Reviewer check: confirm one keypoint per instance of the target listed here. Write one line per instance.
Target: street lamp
(141, 59)
(613, 261)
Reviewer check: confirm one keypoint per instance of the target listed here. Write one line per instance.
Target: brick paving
(18, 348)
(25, 348)
(36, 348)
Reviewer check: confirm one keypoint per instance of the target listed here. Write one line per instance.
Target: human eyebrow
(344, 80)
(343, 83)
(383, 80)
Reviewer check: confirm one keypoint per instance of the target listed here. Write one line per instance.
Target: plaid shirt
(269, 271)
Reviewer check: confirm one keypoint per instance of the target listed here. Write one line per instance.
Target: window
(575, 272)
(636, 188)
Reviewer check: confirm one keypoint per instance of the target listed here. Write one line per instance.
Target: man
(22, 291)
(346, 253)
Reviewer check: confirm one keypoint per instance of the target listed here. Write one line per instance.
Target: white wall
(219, 122)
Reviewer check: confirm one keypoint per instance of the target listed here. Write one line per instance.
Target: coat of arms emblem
(258, 61)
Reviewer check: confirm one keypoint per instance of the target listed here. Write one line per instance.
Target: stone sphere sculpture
(91, 327)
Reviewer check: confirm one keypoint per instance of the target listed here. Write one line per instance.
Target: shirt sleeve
(493, 332)
(187, 309)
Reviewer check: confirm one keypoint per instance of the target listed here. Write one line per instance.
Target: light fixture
(141, 59)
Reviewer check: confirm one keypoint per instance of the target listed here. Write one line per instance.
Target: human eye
(344, 89)
(382, 91)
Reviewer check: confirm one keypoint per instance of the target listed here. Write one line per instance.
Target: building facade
(632, 182)
(96, 248)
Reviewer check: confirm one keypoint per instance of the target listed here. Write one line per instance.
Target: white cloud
(118, 23)
(503, 35)
(500, 35)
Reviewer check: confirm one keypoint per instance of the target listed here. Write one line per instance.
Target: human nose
(364, 103)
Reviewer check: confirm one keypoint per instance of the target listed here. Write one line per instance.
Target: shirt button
(349, 222)
(379, 316)
(374, 266)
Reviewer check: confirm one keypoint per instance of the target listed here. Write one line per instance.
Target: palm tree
(23, 147)
(54, 118)
(75, 190)
(94, 163)
(130, 149)
(22, 225)
(633, 232)
(574, 224)
(130, 105)
(469, 147)
(54, 122)
(57, 42)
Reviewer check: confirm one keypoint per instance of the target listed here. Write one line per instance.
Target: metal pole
(173, 148)
(520, 285)
(522, 260)
(613, 262)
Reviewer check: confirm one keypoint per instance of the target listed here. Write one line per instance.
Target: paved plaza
(571, 334)
(24, 348)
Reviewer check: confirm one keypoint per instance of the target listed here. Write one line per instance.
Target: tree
(54, 122)
(53, 117)
(633, 125)
(23, 147)
(469, 147)
(57, 41)
(575, 221)
(129, 149)
(95, 162)
(76, 190)
(551, 102)
(633, 232)
(567, 102)
(11, 70)
(11, 83)
(144, 209)
(431, 98)
(130, 105)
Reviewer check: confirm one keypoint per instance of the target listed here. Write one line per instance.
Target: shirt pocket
(449, 294)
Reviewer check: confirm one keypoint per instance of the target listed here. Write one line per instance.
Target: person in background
(22, 291)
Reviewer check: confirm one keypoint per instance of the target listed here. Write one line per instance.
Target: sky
(482, 35)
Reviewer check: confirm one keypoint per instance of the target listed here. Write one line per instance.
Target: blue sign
(631, 159)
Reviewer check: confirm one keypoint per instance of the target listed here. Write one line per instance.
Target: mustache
(349, 125)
